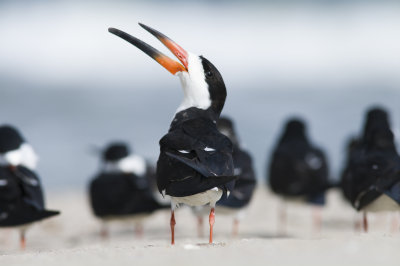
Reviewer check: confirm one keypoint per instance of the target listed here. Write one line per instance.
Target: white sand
(73, 239)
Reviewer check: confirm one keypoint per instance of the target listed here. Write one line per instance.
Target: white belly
(19, 227)
(383, 203)
(210, 196)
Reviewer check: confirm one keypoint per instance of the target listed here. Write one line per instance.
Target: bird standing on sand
(371, 179)
(21, 195)
(298, 171)
(195, 165)
(245, 185)
(121, 191)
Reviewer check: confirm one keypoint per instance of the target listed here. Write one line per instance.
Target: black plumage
(298, 168)
(116, 152)
(10, 139)
(195, 165)
(21, 194)
(118, 193)
(373, 164)
(243, 169)
(194, 155)
(21, 197)
(121, 194)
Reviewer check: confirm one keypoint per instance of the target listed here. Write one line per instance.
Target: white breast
(208, 197)
(24, 155)
(195, 88)
(383, 203)
(131, 164)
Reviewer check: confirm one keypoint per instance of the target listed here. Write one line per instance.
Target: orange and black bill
(178, 51)
(168, 63)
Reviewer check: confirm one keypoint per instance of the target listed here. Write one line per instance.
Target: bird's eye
(209, 74)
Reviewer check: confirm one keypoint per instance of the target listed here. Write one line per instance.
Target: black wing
(121, 194)
(194, 157)
(297, 169)
(245, 184)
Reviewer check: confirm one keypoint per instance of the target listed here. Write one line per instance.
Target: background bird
(298, 170)
(245, 185)
(371, 177)
(122, 190)
(195, 165)
(21, 195)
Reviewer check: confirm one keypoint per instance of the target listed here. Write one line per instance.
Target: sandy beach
(73, 238)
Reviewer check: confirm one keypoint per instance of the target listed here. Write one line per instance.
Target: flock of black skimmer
(202, 163)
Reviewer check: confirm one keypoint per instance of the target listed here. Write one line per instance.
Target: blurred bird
(298, 170)
(195, 165)
(243, 191)
(371, 178)
(121, 191)
(21, 195)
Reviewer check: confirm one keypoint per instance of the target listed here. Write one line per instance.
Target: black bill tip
(154, 32)
(152, 52)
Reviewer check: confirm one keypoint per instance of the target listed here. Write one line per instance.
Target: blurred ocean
(65, 125)
(69, 85)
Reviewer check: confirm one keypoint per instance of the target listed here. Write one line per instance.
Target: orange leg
(394, 228)
(104, 233)
(357, 225)
(235, 227)
(282, 223)
(139, 230)
(172, 223)
(317, 221)
(22, 240)
(365, 222)
(212, 221)
(200, 226)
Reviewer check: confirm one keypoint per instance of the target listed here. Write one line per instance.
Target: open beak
(168, 63)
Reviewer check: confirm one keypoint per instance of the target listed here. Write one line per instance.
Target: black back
(373, 168)
(120, 194)
(246, 182)
(21, 197)
(242, 161)
(183, 174)
(354, 154)
(298, 168)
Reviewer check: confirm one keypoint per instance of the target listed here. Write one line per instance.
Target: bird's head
(14, 150)
(202, 83)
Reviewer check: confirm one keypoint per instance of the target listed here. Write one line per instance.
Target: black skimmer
(195, 165)
(21, 195)
(298, 170)
(245, 185)
(121, 191)
(371, 179)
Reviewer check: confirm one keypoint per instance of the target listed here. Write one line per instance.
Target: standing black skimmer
(298, 170)
(121, 191)
(371, 179)
(245, 185)
(195, 165)
(21, 194)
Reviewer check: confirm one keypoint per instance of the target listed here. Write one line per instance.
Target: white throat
(131, 164)
(24, 155)
(195, 87)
